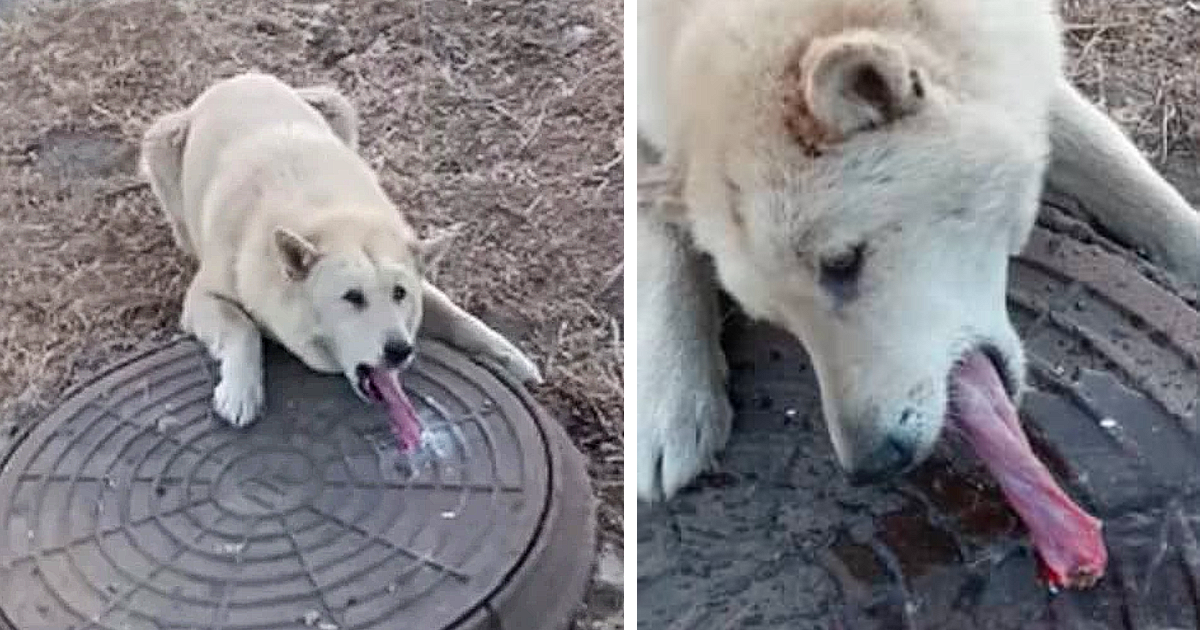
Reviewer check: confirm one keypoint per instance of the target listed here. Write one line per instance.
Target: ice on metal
(440, 442)
(231, 548)
(167, 423)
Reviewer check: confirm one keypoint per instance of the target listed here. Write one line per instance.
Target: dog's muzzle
(896, 455)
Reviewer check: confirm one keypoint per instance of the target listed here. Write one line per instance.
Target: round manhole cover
(131, 507)
(778, 539)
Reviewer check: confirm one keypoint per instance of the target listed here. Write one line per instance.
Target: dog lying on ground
(296, 239)
(857, 172)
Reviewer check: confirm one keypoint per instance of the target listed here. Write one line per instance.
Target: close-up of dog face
(853, 200)
(367, 303)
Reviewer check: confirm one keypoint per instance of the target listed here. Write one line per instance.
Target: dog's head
(851, 193)
(363, 289)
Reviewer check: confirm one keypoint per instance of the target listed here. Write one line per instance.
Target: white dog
(858, 172)
(295, 238)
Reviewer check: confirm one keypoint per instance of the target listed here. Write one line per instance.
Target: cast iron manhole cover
(778, 539)
(132, 508)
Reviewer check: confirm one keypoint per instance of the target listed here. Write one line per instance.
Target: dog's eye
(843, 267)
(355, 297)
(398, 293)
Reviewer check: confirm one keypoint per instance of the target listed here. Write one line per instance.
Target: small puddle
(75, 154)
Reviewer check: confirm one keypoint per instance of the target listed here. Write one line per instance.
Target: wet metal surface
(776, 538)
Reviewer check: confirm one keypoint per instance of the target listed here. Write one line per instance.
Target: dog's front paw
(521, 367)
(525, 369)
(680, 429)
(238, 399)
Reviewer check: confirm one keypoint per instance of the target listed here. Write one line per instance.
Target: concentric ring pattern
(133, 508)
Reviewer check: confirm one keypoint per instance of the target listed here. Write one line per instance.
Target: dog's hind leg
(161, 163)
(683, 411)
(234, 341)
(446, 321)
(1093, 161)
(337, 110)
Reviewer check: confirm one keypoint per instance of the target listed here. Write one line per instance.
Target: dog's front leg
(1093, 161)
(445, 321)
(683, 410)
(234, 341)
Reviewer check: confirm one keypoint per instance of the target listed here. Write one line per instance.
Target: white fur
(262, 184)
(799, 129)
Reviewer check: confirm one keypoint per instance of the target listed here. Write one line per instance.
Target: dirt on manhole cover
(132, 507)
(777, 538)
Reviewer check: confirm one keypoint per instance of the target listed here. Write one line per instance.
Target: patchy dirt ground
(504, 115)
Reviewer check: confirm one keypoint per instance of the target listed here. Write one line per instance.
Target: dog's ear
(432, 249)
(852, 82)
(297, 253)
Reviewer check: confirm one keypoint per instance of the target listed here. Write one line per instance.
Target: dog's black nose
(891, 458)
(395, 353)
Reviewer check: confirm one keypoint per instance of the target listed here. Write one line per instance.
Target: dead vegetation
(1140, 61)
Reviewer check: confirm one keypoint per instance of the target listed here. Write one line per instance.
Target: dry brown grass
(1140, 60)
(504, 115)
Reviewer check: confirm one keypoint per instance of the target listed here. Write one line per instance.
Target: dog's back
(258, 156)
(228, 119)
(232, 110)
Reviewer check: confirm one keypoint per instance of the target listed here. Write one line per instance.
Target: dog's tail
(161, 163)
(336, 109)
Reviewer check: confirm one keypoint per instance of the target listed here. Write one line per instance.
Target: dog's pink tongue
(405, 425)
(1069, 544)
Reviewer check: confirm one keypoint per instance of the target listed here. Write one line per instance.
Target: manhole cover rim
(561, 463)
